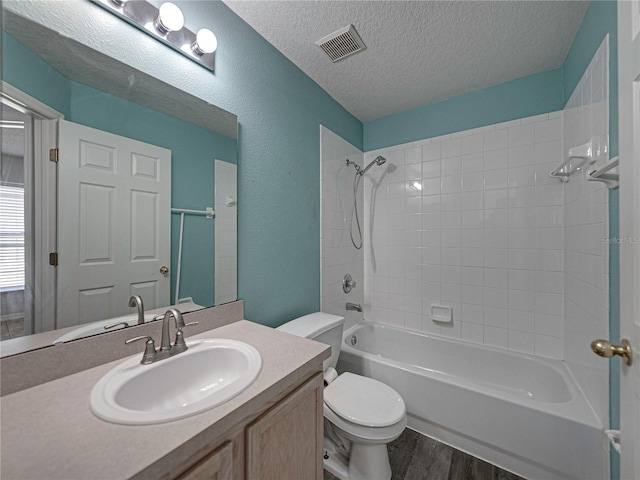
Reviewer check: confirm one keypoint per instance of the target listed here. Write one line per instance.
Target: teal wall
(34, 76)
(194, 150)
(600, 20)
(279, 109)
(523, 97)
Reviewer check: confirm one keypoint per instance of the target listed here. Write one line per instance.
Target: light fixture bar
(147, 18)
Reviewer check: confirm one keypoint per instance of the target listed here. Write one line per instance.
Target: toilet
(361, 415)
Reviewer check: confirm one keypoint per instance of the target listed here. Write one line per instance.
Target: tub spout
(356, 307)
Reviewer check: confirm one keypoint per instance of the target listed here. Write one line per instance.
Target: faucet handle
(149, 348)
(113, 325)
(180, 343)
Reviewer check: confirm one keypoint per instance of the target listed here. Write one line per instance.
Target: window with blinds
(12, 266)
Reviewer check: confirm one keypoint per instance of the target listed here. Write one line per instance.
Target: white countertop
(49, 432)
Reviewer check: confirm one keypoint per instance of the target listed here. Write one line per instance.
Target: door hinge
(53, 155)
(53, 259)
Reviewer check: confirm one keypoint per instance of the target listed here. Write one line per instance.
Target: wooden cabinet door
(218, 465)
(286, 442)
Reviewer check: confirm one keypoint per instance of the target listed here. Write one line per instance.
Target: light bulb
(206, 42)
(170, 18)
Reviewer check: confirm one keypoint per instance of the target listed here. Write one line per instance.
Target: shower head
(379, 160)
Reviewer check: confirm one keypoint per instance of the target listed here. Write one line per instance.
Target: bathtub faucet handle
(348, 283)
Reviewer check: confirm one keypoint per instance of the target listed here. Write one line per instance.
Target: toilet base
(337, 464)
(365, 462)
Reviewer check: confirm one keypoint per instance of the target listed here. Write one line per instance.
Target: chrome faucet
(136, 301)
(355, 307)
(165, 343)
(167, 349)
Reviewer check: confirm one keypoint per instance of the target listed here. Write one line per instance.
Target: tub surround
(338, 255)
(586, 240)
(473, 221)
(35, 419)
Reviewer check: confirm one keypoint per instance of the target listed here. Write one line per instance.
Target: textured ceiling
(418, 52)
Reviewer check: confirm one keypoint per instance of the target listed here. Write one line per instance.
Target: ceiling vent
(342, 43)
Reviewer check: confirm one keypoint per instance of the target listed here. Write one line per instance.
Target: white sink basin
(95, 328)
(210, 373)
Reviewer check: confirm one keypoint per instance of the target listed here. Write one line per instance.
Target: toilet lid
(364, 401)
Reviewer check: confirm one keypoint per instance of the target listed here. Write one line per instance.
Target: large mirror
(181, 151)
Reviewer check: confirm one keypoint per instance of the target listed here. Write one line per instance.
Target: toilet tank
(321, 327)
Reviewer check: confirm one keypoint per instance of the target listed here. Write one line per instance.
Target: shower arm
(357, 167)
(360, 171)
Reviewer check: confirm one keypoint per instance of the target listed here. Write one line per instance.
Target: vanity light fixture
(206, 42)
(169, 19)
(11, 124)
(166, 24)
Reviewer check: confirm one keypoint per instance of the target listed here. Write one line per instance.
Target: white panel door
(114, 220)
(629, 106)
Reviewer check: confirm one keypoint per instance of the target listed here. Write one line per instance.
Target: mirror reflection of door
(15, 216)
(114, 214)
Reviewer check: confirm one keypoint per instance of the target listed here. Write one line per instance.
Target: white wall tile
(338, 255)
(496, 140)
(451, 148)
(496, 159)
(472, 144)
(585, 223)
(521, 135)
(473, 162)
(496, 337)
(484, 235)
(472, 332)
(519, 156)
(521, 341)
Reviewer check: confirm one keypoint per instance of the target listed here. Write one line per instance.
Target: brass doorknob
(606, 349)
(164, 270)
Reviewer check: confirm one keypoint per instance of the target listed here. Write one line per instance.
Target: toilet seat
(364, 434)
(364, 401)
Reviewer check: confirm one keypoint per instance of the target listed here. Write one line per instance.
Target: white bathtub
(522, 413)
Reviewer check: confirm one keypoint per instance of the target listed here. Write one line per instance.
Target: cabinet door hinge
(53, 259)
(53, 155)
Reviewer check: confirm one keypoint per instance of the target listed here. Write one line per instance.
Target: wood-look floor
(416, 457)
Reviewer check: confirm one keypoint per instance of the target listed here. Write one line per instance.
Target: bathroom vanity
(273, 429)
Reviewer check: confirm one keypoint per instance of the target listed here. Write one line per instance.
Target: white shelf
(607, 174)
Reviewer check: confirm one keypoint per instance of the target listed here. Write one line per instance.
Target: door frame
(45, 137)
(629, 167)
